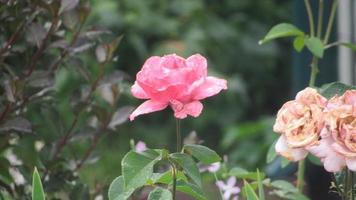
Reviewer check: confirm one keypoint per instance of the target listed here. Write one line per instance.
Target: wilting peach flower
(177, 82)
(300, 122)
(337, 147)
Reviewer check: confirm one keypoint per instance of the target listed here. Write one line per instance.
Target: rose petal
(199, 64)
(293, 154)
(138, 92)
(333, 162)
(210, 87)
(148, 107)
(351, 163)
(182, 111)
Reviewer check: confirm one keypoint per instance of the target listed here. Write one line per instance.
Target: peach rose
(300, 122)
(340, 134)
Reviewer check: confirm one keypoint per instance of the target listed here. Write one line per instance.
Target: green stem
(352, 184)
(174, 175)
(310, 17)
(314, 71)
(331, 21)
(216, 180)
(346, 183)
(179, 137)
(300, 175)
(320, 18)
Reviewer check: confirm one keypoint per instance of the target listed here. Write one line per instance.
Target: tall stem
(331, 21)
(310, 17)
(174, 175)
(300, 175)
(216, 180)
(320, 18)
(179, 136)
(314, 71)
(351, 173)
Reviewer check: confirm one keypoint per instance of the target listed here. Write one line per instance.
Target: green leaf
(138, 168)
(261, 192)
(299, 43)
(191, 190)
(202, 153)
(37, 188)
(167, 178)
(335, 88)
(284, 186)
(281, 30)
(316, 46)
(188, 165)
(284, 162)
(350, 46)
(160, 194)
(271, 154)
(315, 160)
(249, 192)
(117, 190)
(244, 174)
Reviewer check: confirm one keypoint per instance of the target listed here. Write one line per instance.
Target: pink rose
(338, 143)
(177, 82)
(300, 122)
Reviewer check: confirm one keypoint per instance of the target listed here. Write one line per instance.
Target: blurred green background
(237, 122)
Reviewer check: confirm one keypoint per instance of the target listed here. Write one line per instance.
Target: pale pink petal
(221, 185)
(350, 97)
(235, 190)
(351, 163)
(231, 181)
(293, 154)
(235, 198)
(148, 107)
(227, 195)
(138, 92)
(182, 111)
(333, 162)
(214, 167)
(140, 146)
(210, 87)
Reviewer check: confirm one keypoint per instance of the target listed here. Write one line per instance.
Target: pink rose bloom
(300, 122)
(337, 147)
(176, 82)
